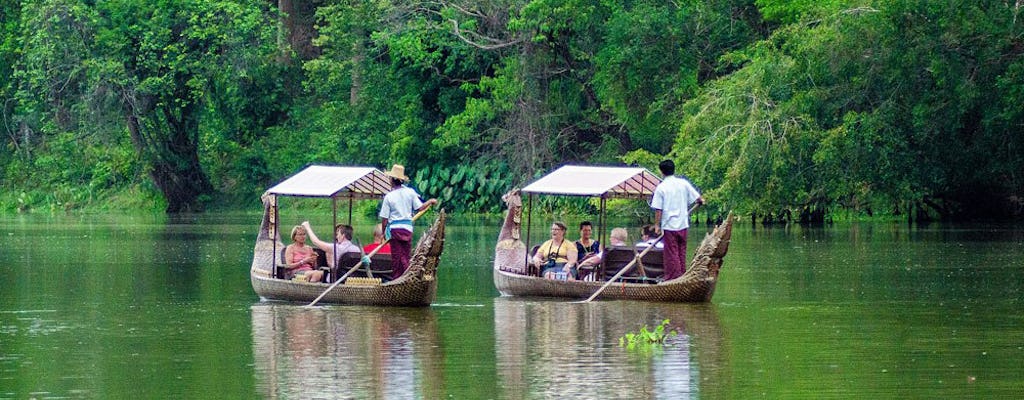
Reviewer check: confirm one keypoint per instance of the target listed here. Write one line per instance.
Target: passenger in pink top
(301, 259)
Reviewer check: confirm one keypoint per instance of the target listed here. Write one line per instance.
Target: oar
(630, 265)
(358, 264)
(623, 270)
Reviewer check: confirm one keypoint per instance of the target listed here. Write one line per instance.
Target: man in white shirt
(396, 213)
(671, 204)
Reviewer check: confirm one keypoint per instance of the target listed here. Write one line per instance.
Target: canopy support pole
(273, 234)
(529, 226)
(334, 233)
(350, 200)
(602, 220)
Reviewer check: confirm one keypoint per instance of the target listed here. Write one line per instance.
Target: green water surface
(107, 307)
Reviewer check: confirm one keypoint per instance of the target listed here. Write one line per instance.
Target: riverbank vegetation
(779, 110)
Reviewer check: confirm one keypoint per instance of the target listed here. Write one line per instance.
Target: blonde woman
(300, 258)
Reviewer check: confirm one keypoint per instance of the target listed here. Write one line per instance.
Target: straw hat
(398, 172)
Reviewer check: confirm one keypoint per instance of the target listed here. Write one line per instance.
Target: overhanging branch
(458, 32)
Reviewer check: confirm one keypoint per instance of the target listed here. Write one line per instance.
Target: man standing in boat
(396, 213)
(671, 204)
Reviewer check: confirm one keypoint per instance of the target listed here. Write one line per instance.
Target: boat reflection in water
(565, 350)
(345, 353)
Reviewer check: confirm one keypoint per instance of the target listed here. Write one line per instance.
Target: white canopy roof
(334, 181)
(606, 182)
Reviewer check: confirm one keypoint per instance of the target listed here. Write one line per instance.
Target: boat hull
(408, 294)
(696, 285)
(691, 288)
(417, 287)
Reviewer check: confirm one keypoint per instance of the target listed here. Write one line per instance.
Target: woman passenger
(556, 254)
(586, 246)
(301, 259)
(649, 236)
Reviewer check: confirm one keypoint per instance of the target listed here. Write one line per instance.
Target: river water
(106, 307)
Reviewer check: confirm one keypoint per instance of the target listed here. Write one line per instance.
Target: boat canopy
(603, 182)
(334, 181)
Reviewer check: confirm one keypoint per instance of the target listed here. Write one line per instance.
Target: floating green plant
(645, 337)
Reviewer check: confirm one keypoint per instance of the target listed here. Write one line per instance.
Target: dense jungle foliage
(780, 109)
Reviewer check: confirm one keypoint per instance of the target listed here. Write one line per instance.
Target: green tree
(656, 54)
(163, 72)
(10, 37)
(585, 81)
(878, 108)
(153, 66)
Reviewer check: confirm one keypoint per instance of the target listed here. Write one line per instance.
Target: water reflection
(345, 353)
(558, 349)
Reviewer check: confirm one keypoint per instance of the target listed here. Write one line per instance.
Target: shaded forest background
(779, 109)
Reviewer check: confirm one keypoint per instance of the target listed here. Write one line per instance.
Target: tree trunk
(182, 185)
(172, 157)
(357, 69)
(284, 27)
(296, 29)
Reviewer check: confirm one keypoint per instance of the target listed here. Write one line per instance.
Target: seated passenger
(343, 243)
(556, 255)
(586, 247)
(648, 236)
(618, 237)
(378, 238)
(301, 259)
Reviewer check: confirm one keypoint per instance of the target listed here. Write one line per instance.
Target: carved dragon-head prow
(712, 250)
(513, 218)
(510, 252)
(267, 226)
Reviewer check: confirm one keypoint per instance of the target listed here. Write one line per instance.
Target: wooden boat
(416, 287)
(513, 276)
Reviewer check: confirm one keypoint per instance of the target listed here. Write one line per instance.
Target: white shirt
(673, 197)
(399, 205)
(647, 243)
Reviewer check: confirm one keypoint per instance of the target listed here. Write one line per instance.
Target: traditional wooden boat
(416, 287)
(514, 276)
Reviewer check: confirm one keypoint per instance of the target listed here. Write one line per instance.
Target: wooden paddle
(360, 263)
(630, 265)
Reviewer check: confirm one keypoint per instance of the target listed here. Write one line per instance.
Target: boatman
(671, 204)
(396, 213)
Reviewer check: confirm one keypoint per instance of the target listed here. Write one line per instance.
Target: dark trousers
(401, 251)
(675, 253)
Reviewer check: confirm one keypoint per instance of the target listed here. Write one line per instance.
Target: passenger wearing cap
(396, 213)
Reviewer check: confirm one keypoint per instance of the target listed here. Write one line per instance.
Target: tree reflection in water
(559, 349)
(346, 352)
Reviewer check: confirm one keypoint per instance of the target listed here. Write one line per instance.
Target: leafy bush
(465, 188)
